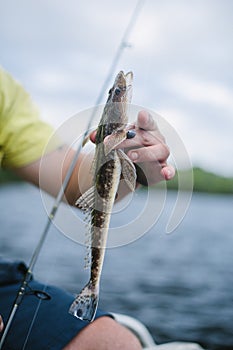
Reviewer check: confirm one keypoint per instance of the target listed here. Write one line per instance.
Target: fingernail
(169, 174)
(131, 134)
(133, 155)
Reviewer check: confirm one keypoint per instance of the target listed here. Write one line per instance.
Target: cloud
(208, 145)
(181, 55)
(212, 93)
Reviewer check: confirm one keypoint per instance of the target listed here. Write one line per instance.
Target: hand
(147, 150)
(1, 323)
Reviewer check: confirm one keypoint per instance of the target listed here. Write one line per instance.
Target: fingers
(149, 144)
(93, 135)
(147, 132)
(146, 122)
(147, 147)
(168, 172)
(158, 152)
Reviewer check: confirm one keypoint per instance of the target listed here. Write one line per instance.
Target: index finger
(146, 122)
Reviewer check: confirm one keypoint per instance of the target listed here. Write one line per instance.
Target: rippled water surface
(180, 285)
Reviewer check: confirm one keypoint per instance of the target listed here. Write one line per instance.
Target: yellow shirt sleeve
(23, 136)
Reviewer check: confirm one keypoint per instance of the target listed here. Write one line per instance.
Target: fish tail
(85, 304)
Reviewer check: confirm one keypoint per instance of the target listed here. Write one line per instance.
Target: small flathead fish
(110, 165)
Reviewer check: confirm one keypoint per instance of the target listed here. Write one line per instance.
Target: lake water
(179, 285)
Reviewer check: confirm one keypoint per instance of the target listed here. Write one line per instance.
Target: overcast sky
(181, 53)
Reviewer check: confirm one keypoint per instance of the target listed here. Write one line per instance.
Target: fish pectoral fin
(86, 139)
(128, 170)
(86, 201)
(113, 140)
(86, 204)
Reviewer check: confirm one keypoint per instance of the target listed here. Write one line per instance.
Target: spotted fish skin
(110, 165)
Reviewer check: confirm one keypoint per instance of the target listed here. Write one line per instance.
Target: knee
(1, 323)
(104, 333)
(118, 336)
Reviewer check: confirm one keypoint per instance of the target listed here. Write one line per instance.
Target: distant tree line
(205, 181)
(7, 176)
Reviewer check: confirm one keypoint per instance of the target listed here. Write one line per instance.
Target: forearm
(49, 172)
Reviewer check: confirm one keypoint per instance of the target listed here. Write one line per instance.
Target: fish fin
(86, 201)
(85, 304)
(113, 140)
(87, 258)
(86, 139)
(128, 170)
(86, 204)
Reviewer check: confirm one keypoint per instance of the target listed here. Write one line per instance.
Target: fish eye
(117, 91)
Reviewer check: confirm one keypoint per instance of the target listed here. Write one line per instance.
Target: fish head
(118, 100)
(115, 114)
(122, 88)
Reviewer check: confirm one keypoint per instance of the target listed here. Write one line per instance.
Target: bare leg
(105, 334)
(1, 323)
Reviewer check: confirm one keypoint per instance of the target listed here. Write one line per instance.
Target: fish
(110, 165)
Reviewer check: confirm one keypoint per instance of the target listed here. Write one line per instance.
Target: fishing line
(32, 323)
(22, 290)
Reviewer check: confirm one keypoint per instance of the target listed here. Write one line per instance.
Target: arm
(49, 172)
(148, 146)
(24, 137)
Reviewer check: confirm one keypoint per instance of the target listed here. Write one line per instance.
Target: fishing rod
(28, 274)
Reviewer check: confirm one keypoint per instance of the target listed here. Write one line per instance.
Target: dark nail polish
(131, 134)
